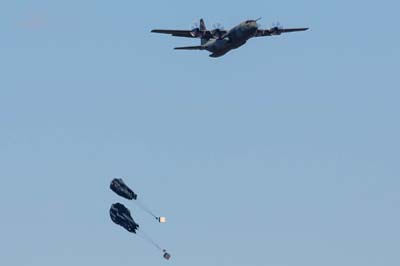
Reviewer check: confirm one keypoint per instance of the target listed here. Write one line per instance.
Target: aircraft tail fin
(202, 25)
(200, 47)
(203, 28)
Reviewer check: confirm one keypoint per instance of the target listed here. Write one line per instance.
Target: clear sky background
(284, 152)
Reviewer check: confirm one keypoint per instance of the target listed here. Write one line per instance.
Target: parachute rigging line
(143, 207)
(148, 239)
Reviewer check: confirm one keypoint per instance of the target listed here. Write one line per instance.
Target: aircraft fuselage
(233, 39)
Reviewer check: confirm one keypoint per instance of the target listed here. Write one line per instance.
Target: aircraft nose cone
(254, 26)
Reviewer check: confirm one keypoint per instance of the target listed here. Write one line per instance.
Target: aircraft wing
(188, 33)
(190, 48)
(277, 31)
(177, 33)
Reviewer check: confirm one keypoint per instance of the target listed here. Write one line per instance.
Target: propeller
(195, 25)
(277, 25)
(216, 31)
(276, 28)
(196, 32)
(217, 26)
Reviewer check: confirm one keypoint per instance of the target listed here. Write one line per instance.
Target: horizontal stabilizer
(190, 48)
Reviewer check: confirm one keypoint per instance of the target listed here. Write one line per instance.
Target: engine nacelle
(196, 32)
(217, 34)
(275, 31)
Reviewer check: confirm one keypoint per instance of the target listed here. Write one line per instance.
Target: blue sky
(284, 152)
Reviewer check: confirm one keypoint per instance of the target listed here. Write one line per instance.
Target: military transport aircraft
(219, 41)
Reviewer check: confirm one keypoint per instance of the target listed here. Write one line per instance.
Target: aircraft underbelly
(217, 46)
(238, 44)
(222, 48)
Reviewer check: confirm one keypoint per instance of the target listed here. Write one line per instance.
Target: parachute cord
(143, 207)
(149, 239)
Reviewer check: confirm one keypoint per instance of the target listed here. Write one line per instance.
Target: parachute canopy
(122, 216)
(119, 187)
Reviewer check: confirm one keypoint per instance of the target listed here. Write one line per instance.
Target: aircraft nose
(253, 25)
